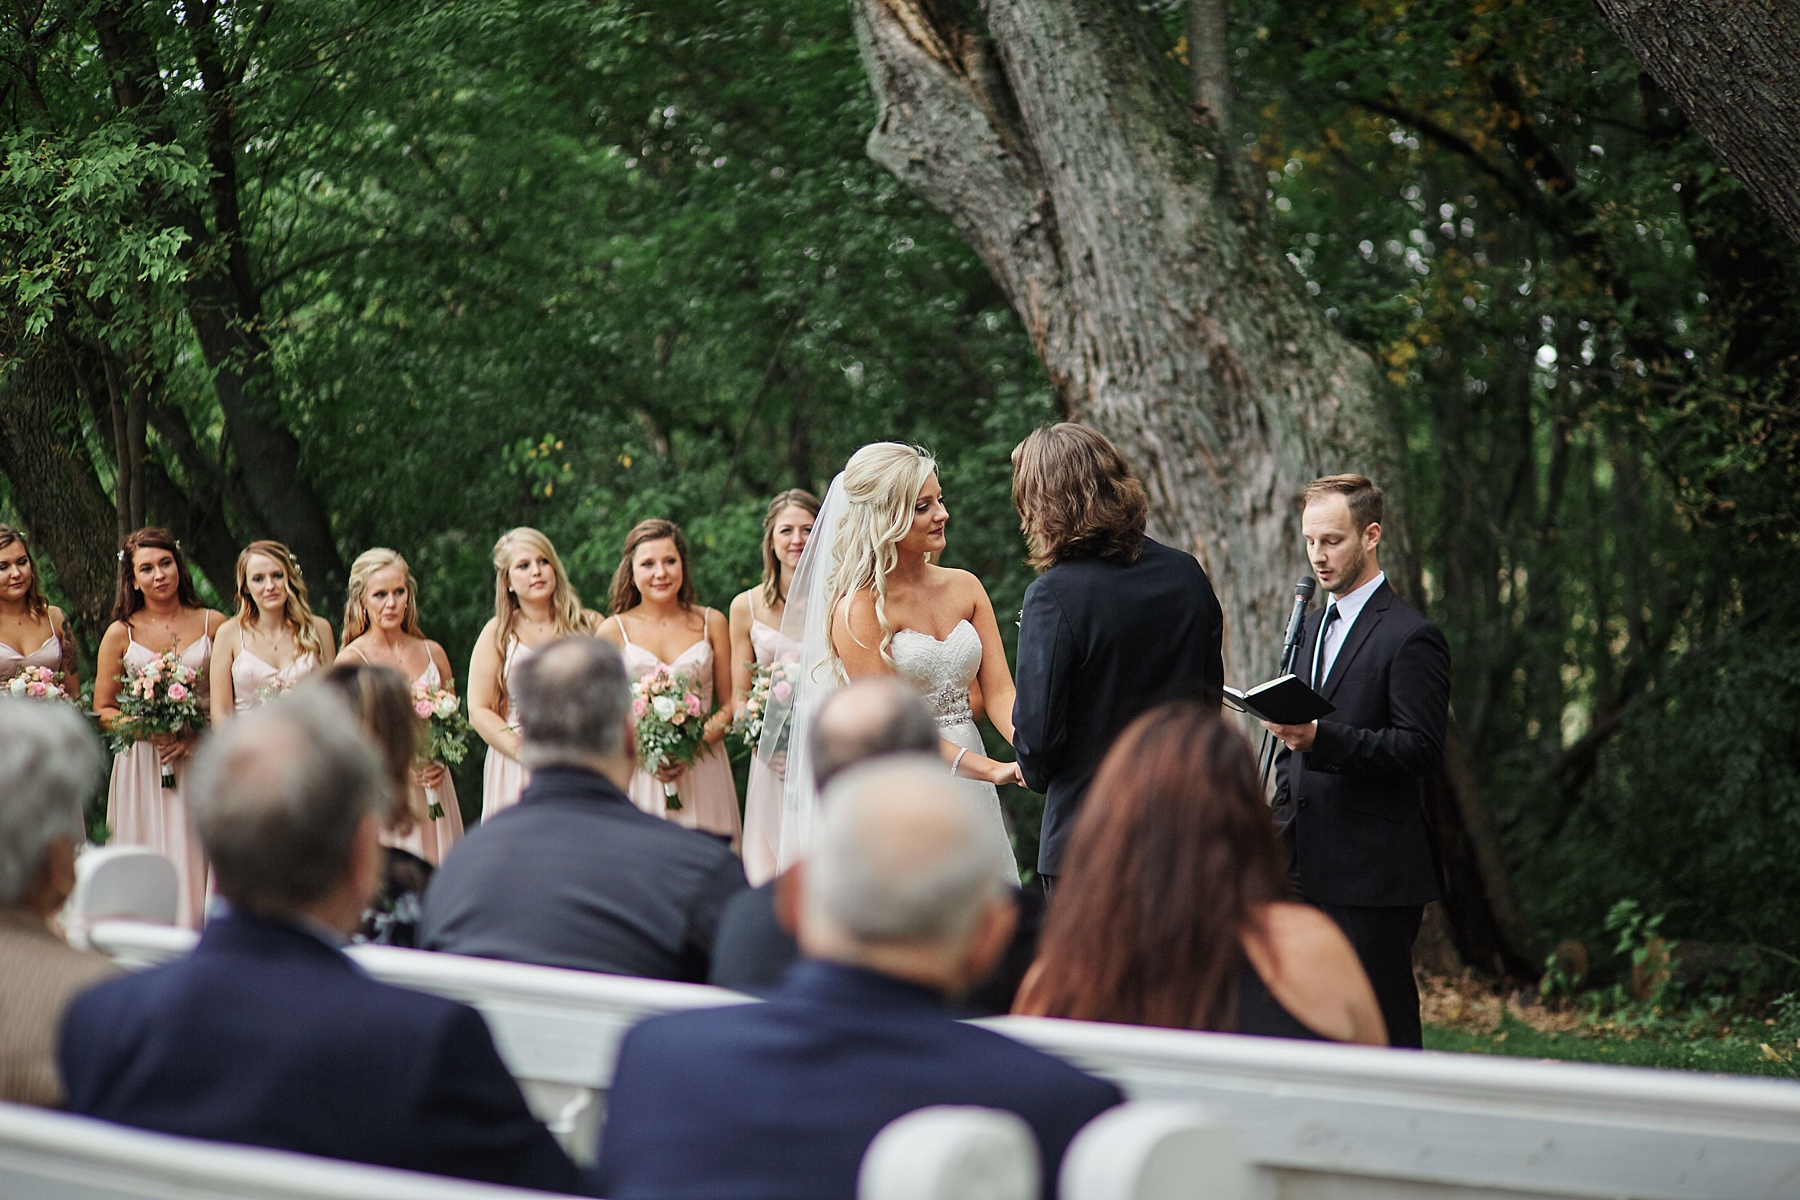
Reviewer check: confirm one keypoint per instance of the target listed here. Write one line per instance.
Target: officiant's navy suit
(265, 1035)
(778, 1101)
(1099, 643)
(1352, 808)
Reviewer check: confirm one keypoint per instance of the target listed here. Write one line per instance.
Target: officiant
(1116, 624)
(1350, 792)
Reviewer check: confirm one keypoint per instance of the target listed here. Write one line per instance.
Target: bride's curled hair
(881, 483)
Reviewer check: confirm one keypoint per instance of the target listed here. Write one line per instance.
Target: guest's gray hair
(49, 760)
(276, 797)
(865, 720)
(878, 887)
(573, 699)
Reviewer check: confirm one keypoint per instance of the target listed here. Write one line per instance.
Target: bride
(868, 600)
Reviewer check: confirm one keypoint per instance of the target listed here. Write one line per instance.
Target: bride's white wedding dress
(942, 671)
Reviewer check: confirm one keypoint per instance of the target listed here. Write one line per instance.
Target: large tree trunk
(1127, 233)
(1735, 71)
(53, 482)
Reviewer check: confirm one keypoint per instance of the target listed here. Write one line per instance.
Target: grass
(1728, 1054)
(1463, 1017)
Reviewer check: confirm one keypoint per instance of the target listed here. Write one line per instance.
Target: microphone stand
(1290, 651)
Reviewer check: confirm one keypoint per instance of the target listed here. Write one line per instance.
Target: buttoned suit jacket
(1352, 809)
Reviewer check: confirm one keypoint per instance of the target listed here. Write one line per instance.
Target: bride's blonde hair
(881, 483)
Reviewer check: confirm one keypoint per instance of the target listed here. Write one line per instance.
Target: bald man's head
(868, 719)
(900, 857)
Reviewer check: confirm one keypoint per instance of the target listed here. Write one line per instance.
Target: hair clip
(121, 556)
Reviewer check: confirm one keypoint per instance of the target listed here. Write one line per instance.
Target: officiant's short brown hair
(1077, 497)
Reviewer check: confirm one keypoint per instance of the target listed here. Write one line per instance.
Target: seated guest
(1172, 909)
(267, 1034)
(382, 701)
(49, 760)
(575, 875)
(900, 913)
(863, 720)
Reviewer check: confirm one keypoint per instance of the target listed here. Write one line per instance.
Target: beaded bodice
(941, 669)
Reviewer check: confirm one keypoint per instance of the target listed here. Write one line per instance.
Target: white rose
(664, 707)
(447, 706)
(17, 685)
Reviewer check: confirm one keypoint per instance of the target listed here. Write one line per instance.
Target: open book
(1284, 701)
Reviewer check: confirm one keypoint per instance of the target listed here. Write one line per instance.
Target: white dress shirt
(1349, 607)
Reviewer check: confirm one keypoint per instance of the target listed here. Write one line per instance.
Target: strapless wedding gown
(942, 671)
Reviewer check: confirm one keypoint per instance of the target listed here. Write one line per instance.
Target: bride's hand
(1003, 773)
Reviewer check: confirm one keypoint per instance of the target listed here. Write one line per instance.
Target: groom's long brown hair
(1077, 497)
(1173, 861)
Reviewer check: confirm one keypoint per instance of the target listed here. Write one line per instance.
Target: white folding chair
(128, 883)
(951, 1153)
(1145, 1150)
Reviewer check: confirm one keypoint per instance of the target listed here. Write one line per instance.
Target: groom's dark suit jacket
(1352, 808)
(1100, 643)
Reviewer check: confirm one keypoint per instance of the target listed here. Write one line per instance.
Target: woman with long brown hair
(534, 604)
(756, 640)
(33, 632)
(274, 641)
(657, 622)
(382, 701)
(157, 612)
(381, 628)
(1173, 910)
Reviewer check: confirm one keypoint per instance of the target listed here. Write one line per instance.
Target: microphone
(1303, 594)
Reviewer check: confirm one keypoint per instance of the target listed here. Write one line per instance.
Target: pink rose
(638, 708)
(782, 690)
(37, 689)
(679, 718)
(693, 705)
(423, 708)
(178, 692)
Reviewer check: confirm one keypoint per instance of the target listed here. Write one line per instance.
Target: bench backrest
(1310, 1116)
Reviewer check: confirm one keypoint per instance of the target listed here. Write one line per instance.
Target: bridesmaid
(656, 622)
(275, 641)
(33, 632)
(534, 604)
(756, 637)
(157, 611)
(381, 628)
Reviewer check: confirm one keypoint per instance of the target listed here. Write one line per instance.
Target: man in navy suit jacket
(1350, 798)
(267, 1034)
(899, 915)
(1116, 625)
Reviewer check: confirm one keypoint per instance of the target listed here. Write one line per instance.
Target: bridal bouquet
(671, 723)
(158, 697)
(768, 684)
(36, 683)
(445, 738)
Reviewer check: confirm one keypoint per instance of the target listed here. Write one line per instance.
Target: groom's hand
(1298, 738)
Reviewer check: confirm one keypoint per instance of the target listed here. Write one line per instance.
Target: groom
(1116, 624)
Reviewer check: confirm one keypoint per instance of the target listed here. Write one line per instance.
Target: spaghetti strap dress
(502, 777)
(48, 656)
(706, 790)
(762, 795)
(140, 811)
(253, 680)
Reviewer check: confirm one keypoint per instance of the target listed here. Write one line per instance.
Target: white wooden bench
(1316, 1121)
(54, 1156)
(932, 1154)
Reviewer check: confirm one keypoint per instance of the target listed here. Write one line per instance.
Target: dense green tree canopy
(465, 265)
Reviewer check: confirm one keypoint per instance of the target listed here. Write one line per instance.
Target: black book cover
(1284, 701)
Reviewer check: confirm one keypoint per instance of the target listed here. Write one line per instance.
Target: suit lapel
(1366, 620)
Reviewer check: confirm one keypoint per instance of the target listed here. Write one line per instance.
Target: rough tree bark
(1735, 70)
(1127, 233)
(53, 482)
